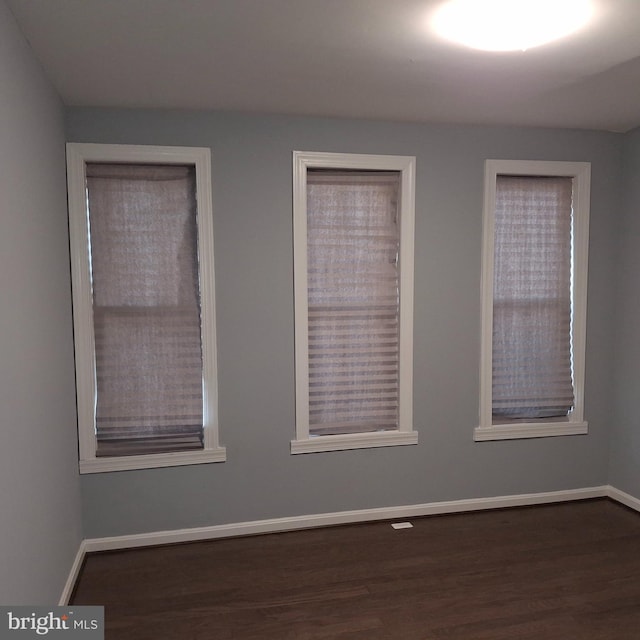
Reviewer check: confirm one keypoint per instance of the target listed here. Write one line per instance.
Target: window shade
(146, 308)
(353, 296)
(532, 369)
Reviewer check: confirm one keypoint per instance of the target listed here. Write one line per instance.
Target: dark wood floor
(568, 571)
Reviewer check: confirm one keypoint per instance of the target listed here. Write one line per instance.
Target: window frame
(78, 155)
(304, 442)
(574, 423)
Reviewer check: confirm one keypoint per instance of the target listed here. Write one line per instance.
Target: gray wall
(253, 243)
(625, 439)
(40, 523)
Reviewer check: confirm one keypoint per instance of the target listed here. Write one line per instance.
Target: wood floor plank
(561, 571)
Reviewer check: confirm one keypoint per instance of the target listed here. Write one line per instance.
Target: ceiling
(349, 58)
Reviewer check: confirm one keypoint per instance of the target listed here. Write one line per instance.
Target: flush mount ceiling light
(510, 25)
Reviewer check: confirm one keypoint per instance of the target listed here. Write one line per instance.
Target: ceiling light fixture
(510, 25)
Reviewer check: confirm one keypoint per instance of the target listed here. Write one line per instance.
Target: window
(143, 306)
(353, 244)
(534, 285)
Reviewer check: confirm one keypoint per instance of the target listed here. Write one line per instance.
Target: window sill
(124, 463)
(539, 429)
(345, 442)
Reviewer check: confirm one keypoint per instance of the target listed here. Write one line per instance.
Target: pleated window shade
(146, 308)
(353, 300)
(532, 360)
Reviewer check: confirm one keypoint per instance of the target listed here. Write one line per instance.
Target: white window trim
(574, 423)
(78, 155)
(302, 160)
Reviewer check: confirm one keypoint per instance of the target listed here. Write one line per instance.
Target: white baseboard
(623, 498)
(341, 517)
(292, 523)
(73, 575)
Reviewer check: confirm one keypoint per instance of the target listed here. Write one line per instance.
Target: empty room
(320, 318)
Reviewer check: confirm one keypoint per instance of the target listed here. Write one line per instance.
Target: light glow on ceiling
(510, 25)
